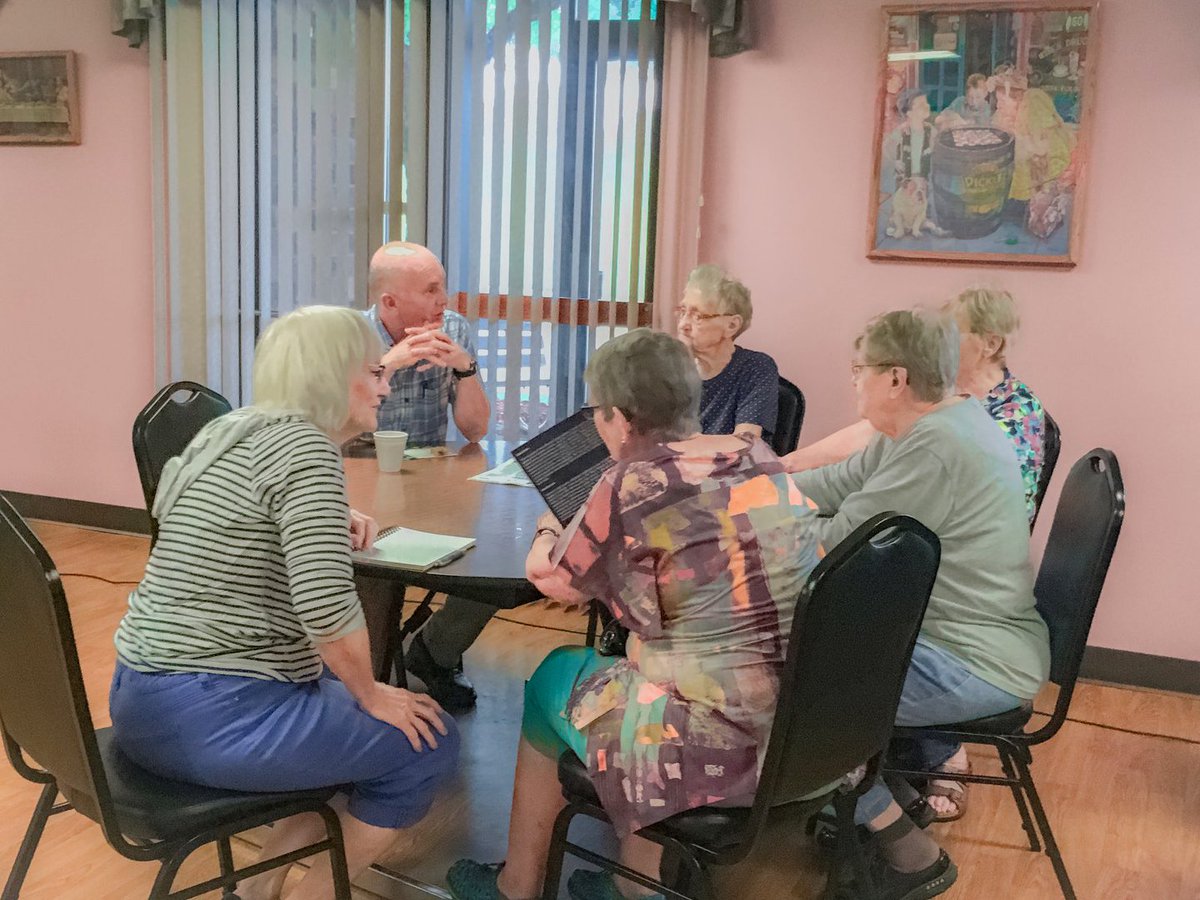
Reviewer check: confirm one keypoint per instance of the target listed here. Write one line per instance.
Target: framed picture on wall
(982, 133)
(39, 98)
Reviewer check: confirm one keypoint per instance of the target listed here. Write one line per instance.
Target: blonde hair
(923, 343)
(305, 362)
(730, 295)
(987, 311)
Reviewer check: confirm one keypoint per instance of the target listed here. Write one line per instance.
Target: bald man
(430, 358)
(429, 352)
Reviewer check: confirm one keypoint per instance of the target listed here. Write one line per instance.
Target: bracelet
(541, 531)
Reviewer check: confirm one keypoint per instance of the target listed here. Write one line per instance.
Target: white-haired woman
(248, 603)
(739, 392)
(987, 319)
(700, 545)
(983, 649)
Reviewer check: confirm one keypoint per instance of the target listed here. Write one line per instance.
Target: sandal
(954, 791)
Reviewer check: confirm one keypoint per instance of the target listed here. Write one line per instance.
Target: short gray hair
(652, 378)
(730, 295)
(306, 359)
(987, 311)
(922, 342)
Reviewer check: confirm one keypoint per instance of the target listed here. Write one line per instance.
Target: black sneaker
(448, 686)
(891, 884)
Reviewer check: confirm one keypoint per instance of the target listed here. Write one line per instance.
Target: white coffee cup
(389, 449)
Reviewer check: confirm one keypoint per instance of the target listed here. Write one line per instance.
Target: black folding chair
(852, 636)
(1082, 538)
(164, 428)
(44, 717)
(1051, 445)
(786, 437)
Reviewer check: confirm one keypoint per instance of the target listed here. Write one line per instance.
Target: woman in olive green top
(983, 649)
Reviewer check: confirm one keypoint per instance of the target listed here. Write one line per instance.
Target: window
(517, 139)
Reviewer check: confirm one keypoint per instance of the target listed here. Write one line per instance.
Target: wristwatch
(460, 374)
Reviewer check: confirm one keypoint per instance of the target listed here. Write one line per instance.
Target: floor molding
(1122, 667)
(80, 512)
(1125, 667)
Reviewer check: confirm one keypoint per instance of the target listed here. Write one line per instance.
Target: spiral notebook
(417, 551)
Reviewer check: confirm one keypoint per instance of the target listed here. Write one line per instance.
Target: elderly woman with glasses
(939, 457)
(987, 320)
(699, 544)
(739, 391)
(248, 608)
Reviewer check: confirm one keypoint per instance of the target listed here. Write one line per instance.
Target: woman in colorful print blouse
(987, 320)
(699, 544)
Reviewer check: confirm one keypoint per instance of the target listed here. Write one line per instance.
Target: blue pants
(247, 734)
(938, 690)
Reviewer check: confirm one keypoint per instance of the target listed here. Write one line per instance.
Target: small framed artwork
(982, 132)
(39, 98)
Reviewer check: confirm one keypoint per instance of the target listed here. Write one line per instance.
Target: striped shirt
(252, 565)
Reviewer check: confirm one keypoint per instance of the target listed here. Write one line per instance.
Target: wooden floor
(1125, 807)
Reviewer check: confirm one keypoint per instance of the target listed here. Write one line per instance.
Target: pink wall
(76, 290)
(1110, 346)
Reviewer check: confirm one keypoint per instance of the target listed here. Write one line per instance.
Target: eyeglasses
(683, 313)
(857, 368)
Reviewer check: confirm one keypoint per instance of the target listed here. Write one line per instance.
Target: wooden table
(437, 495)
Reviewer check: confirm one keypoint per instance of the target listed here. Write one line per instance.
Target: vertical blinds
(281, 167)
(299, 135)
(551, 126)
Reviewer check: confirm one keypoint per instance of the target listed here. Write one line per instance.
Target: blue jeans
(938, 689)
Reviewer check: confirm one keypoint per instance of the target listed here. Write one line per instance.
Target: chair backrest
(1075, 563)
(1051, 445)
(43, 706)
(786, 436)
(167, 424)
(852, 638)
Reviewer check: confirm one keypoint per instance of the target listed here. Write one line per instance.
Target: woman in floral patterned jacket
(699, 545)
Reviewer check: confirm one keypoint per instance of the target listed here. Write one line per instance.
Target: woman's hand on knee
(416, 715)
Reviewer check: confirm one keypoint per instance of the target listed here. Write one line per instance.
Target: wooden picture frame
(39, 98)
(982, 132)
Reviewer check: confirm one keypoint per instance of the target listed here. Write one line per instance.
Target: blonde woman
(222, 674)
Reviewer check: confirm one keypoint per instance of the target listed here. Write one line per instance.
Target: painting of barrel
(971, 171)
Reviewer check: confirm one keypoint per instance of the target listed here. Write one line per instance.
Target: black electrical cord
(96, 577)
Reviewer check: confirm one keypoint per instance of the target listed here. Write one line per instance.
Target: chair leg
(849, 850)
(556, 853)
(33, 834)
(1019, 798)
(1039, 814)
(337, 854)
(225, 858)
(695, 880)
(167, 871)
